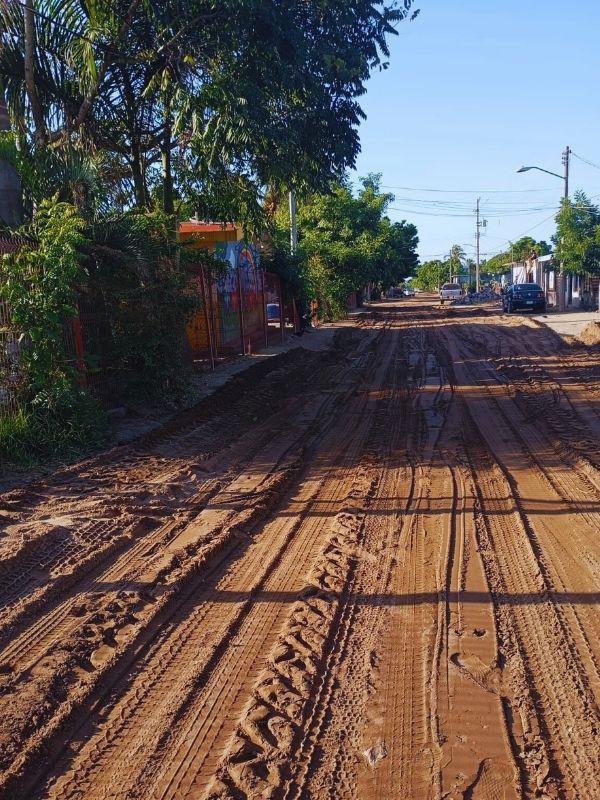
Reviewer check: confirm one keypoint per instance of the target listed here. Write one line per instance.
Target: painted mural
(243, 274)
(252, 292)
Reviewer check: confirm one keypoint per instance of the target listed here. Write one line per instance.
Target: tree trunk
(137, 170)
(29, 63)
(11, 200)
(168, 202)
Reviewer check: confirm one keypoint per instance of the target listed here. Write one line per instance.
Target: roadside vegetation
(346, 243)
(430, 275)
(123, 118)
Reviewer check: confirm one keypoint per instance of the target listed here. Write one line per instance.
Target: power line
(585, 160)
(460, 205)
(520, 235)
(465, 191)
(489, 215)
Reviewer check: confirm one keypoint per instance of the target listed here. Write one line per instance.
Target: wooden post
(207, 317)
(241, 308)
(281, 312)
(264, 307)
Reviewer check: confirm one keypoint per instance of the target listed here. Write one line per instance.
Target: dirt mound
(590, 334)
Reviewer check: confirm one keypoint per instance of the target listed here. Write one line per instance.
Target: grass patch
(29, 438)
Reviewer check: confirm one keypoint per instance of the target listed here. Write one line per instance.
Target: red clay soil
(366, 573)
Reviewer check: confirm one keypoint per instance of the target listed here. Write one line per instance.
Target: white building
(579, 290)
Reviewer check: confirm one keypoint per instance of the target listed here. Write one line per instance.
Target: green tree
(39, 283)
(347, 242)
(525, 247)
(457, 256)
(522, 249)
(195, 100)
(577, 239)
(430, 275)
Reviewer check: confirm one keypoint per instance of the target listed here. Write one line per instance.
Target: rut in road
(380, 582)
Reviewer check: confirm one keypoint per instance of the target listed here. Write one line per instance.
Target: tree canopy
(522, 249)
(194, 102)
(347, 241)
(577, 239)
(430, 275)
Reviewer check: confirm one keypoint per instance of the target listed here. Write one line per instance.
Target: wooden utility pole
(478, 236)
(561, 274)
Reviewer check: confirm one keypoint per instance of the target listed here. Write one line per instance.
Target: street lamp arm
(541, 169)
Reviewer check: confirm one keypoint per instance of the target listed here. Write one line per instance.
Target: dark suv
(524, 296)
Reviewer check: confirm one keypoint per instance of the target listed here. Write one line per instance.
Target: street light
(541, 169)
(565, 178)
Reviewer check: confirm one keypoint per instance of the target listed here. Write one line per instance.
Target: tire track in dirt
(357, 367)
(327, 764)
(568, 726)
(258, 753)
(558, 561)
(46, 526)
(477, 758)
(301, 649)
(318, 402)
(96, 656)
(253, 761)
(84, 609)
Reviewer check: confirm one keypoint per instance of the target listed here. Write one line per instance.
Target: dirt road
(370, 572)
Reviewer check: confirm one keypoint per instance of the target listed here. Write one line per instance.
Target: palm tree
(457, 256)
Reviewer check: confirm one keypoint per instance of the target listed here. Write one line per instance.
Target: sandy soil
(367, 572)
(591, 333)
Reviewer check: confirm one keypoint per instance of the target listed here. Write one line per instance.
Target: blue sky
(475, 90)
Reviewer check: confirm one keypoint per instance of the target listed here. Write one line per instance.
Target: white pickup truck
(450, 291)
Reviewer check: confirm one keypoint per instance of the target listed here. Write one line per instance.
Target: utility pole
(481, 223)
(293, 224)
(560, 278)
(561, 274)
(478, 236)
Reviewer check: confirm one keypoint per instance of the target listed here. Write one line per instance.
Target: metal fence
(240, 313)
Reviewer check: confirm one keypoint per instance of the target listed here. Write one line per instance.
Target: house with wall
(233, 316)
(581, 291)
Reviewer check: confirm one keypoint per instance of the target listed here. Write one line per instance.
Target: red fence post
(264, 308)
(281, 311)
(207, 316)
(241, 308)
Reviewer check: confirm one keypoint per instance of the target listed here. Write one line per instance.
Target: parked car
(523, 296)
(450, 291)
(408, 292)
